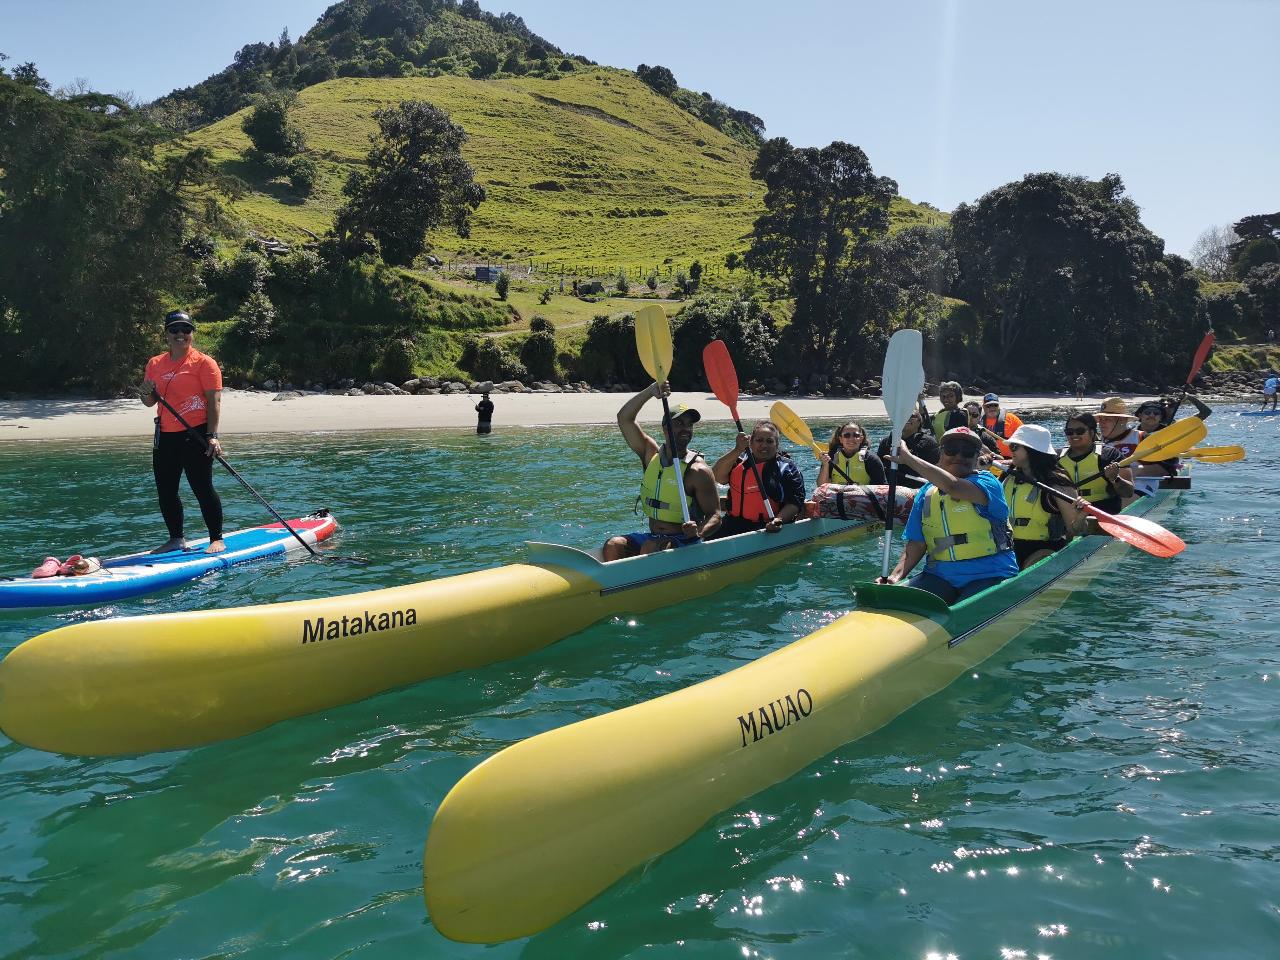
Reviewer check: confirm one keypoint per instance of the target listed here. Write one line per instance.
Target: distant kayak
(1259, 413)
(139, 573)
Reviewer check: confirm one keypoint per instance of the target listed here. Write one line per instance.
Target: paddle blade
(903, 377)
(1171, 441)
(653, 341)
(1146, 535)
(1202, 352)
(721, 374)
(1216, 454)
(792, 427)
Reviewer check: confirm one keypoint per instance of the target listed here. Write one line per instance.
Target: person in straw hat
(1116, 424)
(1041, 523)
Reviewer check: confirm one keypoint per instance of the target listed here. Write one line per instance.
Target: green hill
(593, 170)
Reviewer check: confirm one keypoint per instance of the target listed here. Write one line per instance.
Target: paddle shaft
(232, 470)
(670, 434)
(755, 467)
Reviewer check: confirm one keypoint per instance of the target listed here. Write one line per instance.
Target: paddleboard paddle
(245, 483)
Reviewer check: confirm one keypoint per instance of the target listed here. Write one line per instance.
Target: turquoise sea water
(1106, 786)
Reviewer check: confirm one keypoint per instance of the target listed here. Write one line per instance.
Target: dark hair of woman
(834, 445)
(1046, 469)
(1087, 419)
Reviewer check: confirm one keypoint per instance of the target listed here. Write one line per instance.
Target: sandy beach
(252, 412)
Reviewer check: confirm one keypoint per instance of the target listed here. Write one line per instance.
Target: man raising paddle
(659, 491)
(191, 383)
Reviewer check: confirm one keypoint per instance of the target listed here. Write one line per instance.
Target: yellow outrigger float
(539, 829)
(167, 681)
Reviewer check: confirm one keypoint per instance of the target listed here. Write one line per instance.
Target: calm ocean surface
(1106, 786)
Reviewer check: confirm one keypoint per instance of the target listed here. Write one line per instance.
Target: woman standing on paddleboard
(191, 383)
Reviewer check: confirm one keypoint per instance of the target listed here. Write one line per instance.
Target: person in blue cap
(999, 423)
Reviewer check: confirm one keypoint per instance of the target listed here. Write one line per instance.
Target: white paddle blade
(903, 378)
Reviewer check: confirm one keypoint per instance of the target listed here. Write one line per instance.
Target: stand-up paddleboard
(139, 573)
(1259, 413)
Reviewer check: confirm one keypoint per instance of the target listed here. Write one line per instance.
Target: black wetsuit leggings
(174, 454)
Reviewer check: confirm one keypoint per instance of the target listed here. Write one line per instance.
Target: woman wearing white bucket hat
(1041, 524)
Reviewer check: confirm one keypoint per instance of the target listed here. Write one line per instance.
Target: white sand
(250, 412)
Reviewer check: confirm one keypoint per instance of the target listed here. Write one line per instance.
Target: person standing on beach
(1081, 384)
(191, 383)
(484, 410)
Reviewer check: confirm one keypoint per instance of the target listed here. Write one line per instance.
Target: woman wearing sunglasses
(959, 524)
(1041, 523)
(1083, 458)
(191, 383)
(848, 459)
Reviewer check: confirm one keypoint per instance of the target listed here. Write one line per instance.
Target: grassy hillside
(593, 169)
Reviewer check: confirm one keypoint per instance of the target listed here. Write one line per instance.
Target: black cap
(178, 317)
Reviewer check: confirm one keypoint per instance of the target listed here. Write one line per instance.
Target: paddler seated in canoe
(959, 524)
(1115, 425)
(1041, 523)
(920, 442)
(1155, 415)
(950, 393)
(783, 483)
(1083, 460)
(659, 489)
(848, 458)
(999, 424)
(973, 410)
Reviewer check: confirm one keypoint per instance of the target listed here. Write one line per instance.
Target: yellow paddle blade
(1175, 439)
(653, 341)
(793, 428)
(1216, 454)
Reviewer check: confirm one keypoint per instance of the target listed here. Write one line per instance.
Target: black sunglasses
(1076, 431)
(180, 328)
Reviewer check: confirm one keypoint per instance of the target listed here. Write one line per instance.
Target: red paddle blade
(1146, 535)
(721, 374)
(1201, 354)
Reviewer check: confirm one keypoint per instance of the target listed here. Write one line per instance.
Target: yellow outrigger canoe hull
(539, 829)
(168, 681)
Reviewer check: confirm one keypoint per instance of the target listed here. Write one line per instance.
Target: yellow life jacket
(660, 491)
(1096, 489)
(954, 530)
(851, 469)
(1027, 515)
(940, 422)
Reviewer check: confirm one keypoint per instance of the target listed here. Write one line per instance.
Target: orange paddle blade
(1146, 535)
(721, 374)
(1201, 353)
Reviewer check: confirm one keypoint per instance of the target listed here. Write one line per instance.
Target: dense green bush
(487, 359)
(538, 354)
(397, 360)
(609, 352)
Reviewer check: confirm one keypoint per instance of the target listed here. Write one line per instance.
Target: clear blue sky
(949, 97)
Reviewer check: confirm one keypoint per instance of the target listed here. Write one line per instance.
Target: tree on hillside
(745, 327)
(662, 80)
(416, 181)
(269, 127)
(921, 263)
(825, 212)
(91, 236)
(1061, 268)
(1211, 253)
